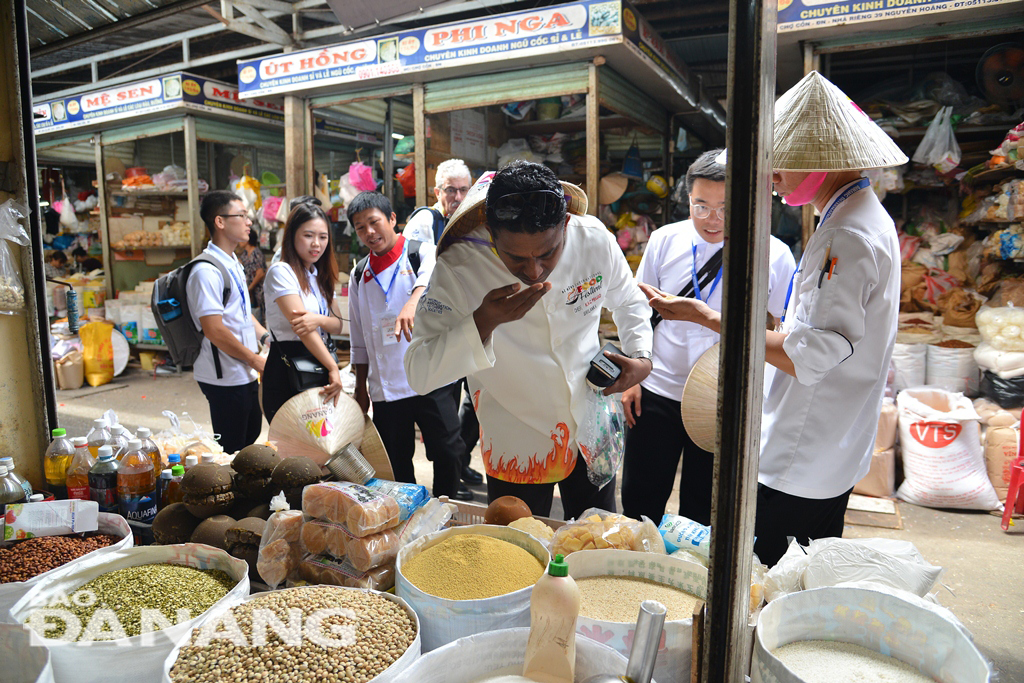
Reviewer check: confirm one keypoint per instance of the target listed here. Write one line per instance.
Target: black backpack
(414, 261)
(439, 221)
(174, 317)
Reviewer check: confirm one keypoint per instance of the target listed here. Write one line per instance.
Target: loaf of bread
(372, 551)
(362, 511)
(334, 572)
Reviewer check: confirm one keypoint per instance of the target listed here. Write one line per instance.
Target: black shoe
(463, 493)
(471, 476)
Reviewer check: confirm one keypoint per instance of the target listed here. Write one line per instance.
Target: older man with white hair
(452, 182)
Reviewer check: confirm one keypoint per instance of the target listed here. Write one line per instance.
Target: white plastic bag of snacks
(12, 291)
(22, 662)
(1002, 327)
(444, 620)
(830, 561)
(598, 529)
(495, 653)
(109, 524)
(379, 629)
(280, 551)
(906, 630)
(942, 456)
(90, 662)
(602, 436)
(612, 585)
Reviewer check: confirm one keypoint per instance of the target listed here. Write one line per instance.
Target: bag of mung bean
(91, 662)
(22, 662)
(110, 524)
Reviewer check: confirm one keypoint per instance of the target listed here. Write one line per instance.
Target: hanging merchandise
(612, 187)
(406, 145)
(939, 148)
(321, 191)
(271, 207)
(633, 165)
(248, 188)
(67, 211)
(361, 176)
(407, 179)
(658, 186)
(12, 291)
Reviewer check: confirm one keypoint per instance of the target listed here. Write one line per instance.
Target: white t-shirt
(668, 264)
(420, 227)
(281, 280)
(205, 291)
(818, 428)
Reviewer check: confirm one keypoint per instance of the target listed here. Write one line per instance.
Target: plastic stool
(1014, 497)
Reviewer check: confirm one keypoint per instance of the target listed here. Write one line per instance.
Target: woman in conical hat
(836, 338)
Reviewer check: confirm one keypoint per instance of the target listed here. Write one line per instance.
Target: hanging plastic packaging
(938, 147)
(361, 176)
(12, 291)
(602, 437)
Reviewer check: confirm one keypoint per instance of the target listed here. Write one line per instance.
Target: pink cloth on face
(806, 190)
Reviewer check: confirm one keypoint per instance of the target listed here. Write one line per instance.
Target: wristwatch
(641, 354)
(263, 339)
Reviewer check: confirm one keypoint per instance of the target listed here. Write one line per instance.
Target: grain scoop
(339, 437)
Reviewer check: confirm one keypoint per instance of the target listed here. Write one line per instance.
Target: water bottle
(56, 461)
(24, 483)
(103, 481)
(136, 485)
(10, 490)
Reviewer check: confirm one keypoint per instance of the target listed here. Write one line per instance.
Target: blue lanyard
(241, 292)
(394, 275)
(696, 285)
(847, 193)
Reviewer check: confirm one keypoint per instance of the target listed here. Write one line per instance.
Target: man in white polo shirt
(228, 365)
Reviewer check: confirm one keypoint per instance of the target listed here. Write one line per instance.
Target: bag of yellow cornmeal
(472, 567)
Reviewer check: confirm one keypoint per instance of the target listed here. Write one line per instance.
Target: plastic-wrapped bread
(336, 572)
(372, 551)
(314, 538)
(362, 511)
(277, 561)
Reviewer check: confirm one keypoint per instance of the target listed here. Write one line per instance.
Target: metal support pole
(94, 69)
(419, 122)
(389, 154)
(103, 207)
(744, 298)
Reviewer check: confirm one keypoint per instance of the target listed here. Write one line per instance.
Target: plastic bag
(280, 552)
(939, 148)
(177, 440)
(951, 368)
(680, 532)
(90, 662)
(334, 571)
(362, 511)
(601, 529)
(22, 662)
(99, 353)
(410, 497)
(12, 291)
(361, 175)
(248, 188)
(1004, 364)
(407, 179)
(602, 436)
(1008, 393)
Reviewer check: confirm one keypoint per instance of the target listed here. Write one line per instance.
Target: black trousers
(277, 388)
(470, 426)
(780, 515)
(653, 448)
(576, 491)
(235, 414)
(437, 415)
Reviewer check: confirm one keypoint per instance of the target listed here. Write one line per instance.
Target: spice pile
(472, 567)
(616, 598)
(26, 559)
(825, 661)
(128, 591)
(383, 632)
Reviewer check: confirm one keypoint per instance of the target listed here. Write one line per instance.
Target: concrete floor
(983, 564)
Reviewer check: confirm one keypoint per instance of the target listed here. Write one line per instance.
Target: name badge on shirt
(387, 330)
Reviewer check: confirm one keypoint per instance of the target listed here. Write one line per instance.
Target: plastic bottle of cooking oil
(145, 436)
(98, 436)
(118, 442)
(136, 485)
(78, 471)
(56, 462)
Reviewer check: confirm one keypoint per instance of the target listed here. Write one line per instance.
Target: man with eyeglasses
(513, 304)
(683, 257)
(228, 365)
(451, 183)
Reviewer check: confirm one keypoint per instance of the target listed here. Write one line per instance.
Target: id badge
(387, 330)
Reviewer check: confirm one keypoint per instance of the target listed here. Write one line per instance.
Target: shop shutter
(513, 86)
(624, 98)
(82, 153)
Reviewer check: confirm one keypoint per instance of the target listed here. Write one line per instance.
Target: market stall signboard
(559, 30)
(799, 15)
(148, 97)
(322, 126)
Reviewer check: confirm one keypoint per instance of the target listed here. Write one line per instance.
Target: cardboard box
(1000, 453)
(880, 481)
(119, 226)
(49, 518)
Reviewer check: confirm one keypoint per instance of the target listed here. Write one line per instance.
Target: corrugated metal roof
(53, 20)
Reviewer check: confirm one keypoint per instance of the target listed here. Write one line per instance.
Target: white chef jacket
(818, 429)
(205, 291)
(421, 226)
(280, 281)
(668, 264)
(374, 344)
(529, 380)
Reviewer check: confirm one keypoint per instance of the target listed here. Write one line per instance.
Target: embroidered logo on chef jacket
(434, 306)
(584, 294)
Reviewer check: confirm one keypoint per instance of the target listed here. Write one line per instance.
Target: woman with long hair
(299, 291)
(254, 263)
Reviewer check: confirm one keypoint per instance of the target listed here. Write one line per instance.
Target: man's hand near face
(506, 304)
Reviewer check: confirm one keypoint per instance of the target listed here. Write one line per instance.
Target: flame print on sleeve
(555, 466)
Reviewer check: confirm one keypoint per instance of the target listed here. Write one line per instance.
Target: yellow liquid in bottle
(56, 469)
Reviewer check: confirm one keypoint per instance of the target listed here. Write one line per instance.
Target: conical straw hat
(472, 212)
(699, 405)
(819, 128)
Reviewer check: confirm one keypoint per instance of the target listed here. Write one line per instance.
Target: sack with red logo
(942, 456)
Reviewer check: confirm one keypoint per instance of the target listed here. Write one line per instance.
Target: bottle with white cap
(103, 480)
(191, 461)
(136, 485)
(118, 442)
(207, 458)
(8, 462)
(10, 490)
(77, 481)
(98, 436)
(146, 437)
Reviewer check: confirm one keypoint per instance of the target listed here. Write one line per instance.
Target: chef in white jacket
(513, 304)
(835, 341)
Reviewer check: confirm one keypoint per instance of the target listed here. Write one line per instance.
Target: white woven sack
(95, 662)
(1006, 364)
(390, 675)
(943, 460)
(952, 369)
(503, 652)
(444, 621)
(910, 361)
(21, 662)
(108, 523)
(900, 628)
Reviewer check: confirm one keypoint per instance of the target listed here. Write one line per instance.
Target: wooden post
(101, 206)
(812, 62)
(294, 146)
(309, 155)
(389, 154)
(192, 173)
(697, 641)
(419, 122)
(593, 135)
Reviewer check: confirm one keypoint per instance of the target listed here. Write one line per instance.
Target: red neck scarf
(378, 264)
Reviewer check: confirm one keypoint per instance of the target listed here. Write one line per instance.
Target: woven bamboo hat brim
(699, 405)
(472, 212)
(819, 128)
(611, 188)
